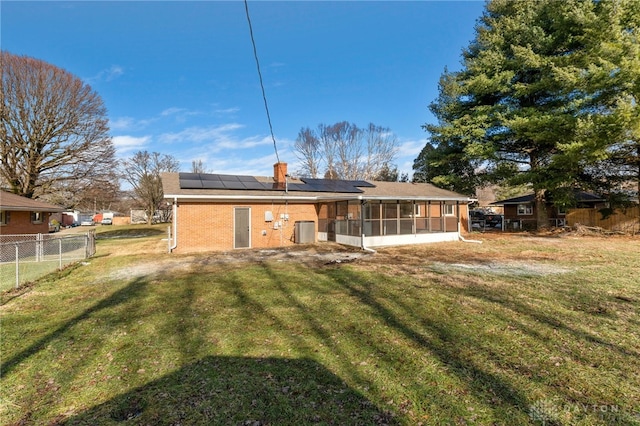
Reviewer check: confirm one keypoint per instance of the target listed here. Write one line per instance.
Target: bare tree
(142, 172)
(345, 151)
(54, 131)
(197, 166)
(307, 148)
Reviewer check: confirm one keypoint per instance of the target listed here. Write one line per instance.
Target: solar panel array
(215, 181)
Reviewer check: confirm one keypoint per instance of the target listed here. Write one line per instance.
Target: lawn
(517, 330)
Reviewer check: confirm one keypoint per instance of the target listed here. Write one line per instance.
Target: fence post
(60, 253)
(38, 247)
(17, 266)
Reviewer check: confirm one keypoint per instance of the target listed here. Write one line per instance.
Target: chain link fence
(25, 258)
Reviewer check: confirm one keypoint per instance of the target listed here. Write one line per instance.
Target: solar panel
(212, 184)
(336, 185)
(190, 184)
(228, 177)
(233, 182)
(204, 176)
(255, 185)
(362, 183)
(233, 185)
(190, 176)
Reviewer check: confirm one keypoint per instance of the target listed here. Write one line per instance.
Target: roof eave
(317, 198)
(30, 209)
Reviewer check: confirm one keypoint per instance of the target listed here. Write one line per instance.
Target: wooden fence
(622, 220)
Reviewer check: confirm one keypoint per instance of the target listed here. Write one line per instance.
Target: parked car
(107, 221)
(88, 222)
(54, 226)
(485, 219)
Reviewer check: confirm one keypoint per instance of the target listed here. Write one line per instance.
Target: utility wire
(264, 96)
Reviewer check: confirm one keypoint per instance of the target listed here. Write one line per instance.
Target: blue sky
(180, 77)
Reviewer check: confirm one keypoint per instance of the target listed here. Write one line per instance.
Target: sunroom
(377, 222)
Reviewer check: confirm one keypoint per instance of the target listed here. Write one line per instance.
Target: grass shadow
(130, 291)
(130, 233)
(239, 390)
(437, 337)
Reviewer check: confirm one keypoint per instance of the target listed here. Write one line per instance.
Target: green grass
(516, 330)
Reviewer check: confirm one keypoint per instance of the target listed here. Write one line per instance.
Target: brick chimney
(279, 173)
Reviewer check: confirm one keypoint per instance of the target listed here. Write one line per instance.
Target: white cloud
(114, 72)
(172, 111)
(123, 124)
(215, 135)
(411, 148)
(108, 74)
(245, 143)
(231, 110)
(126, 144)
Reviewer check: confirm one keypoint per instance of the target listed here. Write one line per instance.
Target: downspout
(175, 225)
(460, 233)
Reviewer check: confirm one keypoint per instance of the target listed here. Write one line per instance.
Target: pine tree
(545, 94)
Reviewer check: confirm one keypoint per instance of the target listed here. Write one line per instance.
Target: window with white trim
(525, 209)
(449, 210)
(4, 217)
(36, 217)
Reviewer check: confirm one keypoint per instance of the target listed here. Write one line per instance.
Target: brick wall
(20, 223)
(204, 226)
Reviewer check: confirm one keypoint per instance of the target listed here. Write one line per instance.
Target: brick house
(520, 212)
(21, 215)
(224, 212)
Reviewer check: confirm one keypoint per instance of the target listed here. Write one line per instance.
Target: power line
(264, 96)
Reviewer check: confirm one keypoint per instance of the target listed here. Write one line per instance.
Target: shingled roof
(580, 196)
(371, 191)
(13, 202)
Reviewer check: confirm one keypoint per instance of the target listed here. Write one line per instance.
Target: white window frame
(4, 217)
(449, 210)
(37, 217)
(525, 209)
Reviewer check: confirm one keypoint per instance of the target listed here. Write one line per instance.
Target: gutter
(240, 197)
(294, 198)
(175, 225)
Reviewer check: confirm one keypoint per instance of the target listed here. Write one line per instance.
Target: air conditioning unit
(304, 232)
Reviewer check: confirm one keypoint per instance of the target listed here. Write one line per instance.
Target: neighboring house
(223, 212)
(21, 215)
(520, 212)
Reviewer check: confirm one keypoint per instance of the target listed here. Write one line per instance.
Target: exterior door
(242, 227)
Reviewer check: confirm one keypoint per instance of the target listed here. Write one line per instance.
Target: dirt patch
(516, 255)
(311, 255)
(499, 268)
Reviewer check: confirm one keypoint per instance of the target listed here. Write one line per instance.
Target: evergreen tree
(545, 94)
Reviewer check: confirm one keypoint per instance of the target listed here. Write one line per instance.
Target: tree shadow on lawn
(448, 342)
(238, 391)
(123, 295)
(130, 233)
(507, 301)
